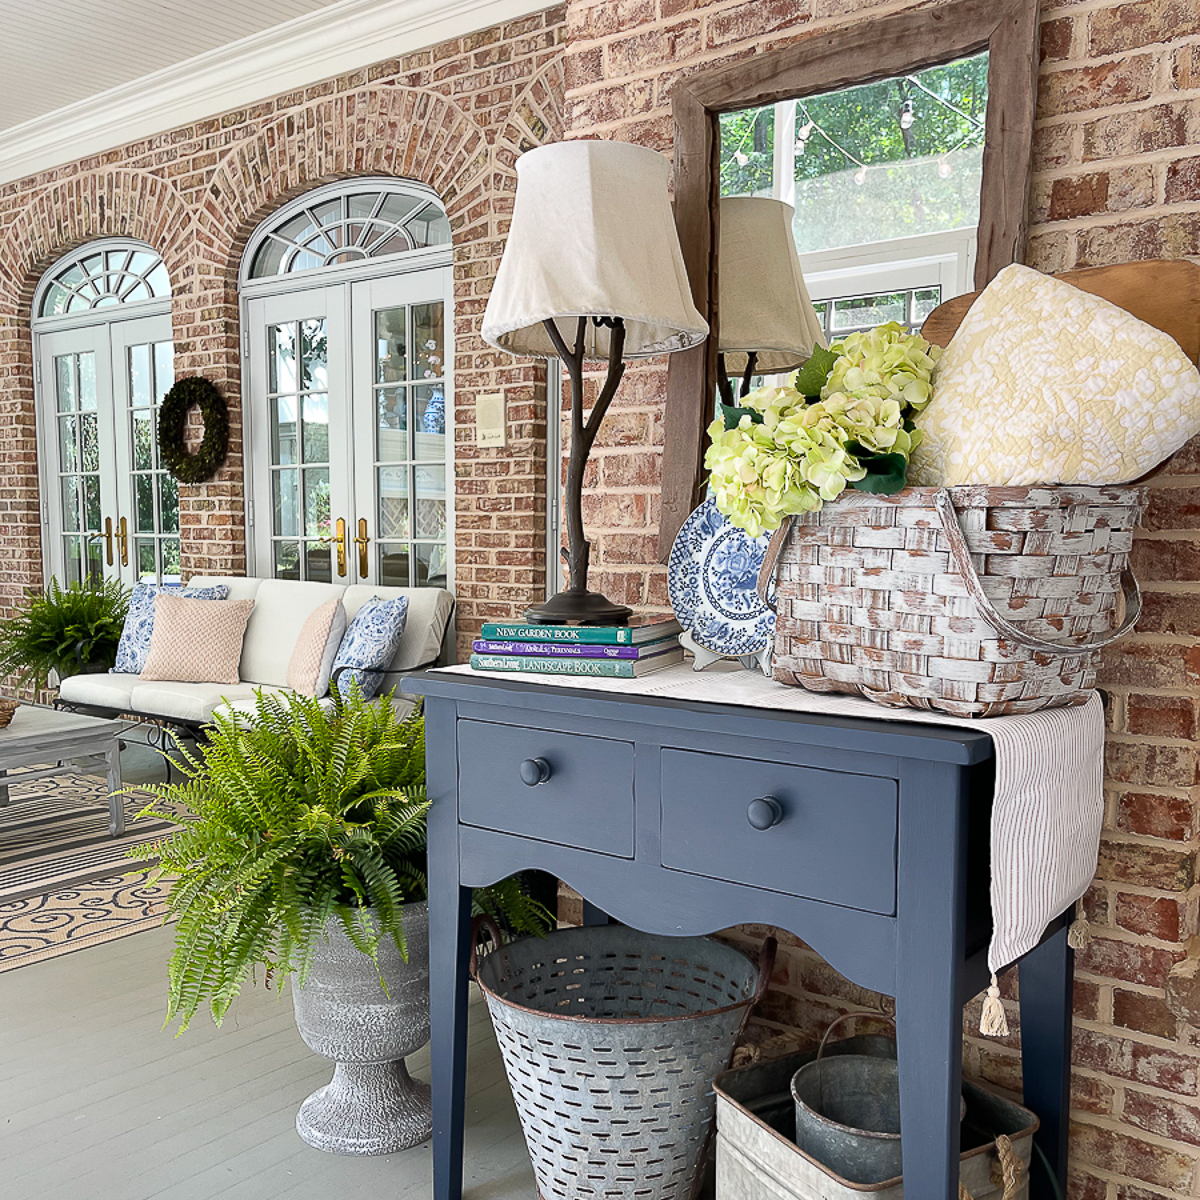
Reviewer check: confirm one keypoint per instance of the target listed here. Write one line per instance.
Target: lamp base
(589, 608)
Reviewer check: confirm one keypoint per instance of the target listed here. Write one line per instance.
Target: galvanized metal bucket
(611, 1039)
(848, 1113)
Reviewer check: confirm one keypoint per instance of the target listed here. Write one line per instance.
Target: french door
(349, 395)
(109, 508)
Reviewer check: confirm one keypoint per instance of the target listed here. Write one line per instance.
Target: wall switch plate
(490, 423)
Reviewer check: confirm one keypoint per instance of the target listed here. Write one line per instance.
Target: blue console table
(867, 838)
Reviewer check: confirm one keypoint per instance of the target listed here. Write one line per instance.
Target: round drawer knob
(764, 813)
(534, 771)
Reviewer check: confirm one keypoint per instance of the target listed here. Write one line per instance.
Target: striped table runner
(1047, 810)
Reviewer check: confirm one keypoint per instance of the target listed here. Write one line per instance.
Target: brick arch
(538, 115)
(393, 131)
(85, 208)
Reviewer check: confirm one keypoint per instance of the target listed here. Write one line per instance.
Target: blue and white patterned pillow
(139, 622)
(371, 641)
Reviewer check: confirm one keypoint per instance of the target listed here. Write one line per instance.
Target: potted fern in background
(67, 630)
(305, 854)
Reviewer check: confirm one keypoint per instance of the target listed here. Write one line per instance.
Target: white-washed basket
(975, 601)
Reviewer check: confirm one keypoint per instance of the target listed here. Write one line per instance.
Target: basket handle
(766, 573)
(966, 568)
(485, 922)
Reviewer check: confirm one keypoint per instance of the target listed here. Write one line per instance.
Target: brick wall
(454, 116)
(1117, 177)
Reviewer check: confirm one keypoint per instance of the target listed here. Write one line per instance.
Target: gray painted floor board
(98, 1102)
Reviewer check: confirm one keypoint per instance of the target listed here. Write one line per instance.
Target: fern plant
(298, 815)
(66, 630)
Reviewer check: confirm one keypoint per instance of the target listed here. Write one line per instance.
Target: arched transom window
(344, 229)
(103, 279)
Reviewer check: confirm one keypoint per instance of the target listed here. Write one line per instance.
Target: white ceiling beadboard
(81, 76)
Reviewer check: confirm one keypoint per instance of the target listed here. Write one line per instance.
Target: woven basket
(8, 710)
(975, 601)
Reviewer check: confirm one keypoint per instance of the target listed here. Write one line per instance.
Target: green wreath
(172, 420)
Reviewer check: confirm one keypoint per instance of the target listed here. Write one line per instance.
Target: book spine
(605, 668)
(563, 634)
(556, 650)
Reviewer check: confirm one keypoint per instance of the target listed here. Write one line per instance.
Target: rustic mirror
(914, 127)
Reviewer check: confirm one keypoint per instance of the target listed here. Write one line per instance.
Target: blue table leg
(930, 939)
(1047, 986)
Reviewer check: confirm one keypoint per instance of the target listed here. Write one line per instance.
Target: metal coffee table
(40, 735)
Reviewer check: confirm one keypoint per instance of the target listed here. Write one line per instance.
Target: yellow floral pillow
(1044, 383)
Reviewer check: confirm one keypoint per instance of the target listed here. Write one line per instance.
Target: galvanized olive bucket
(611, 1039)
(848, 1113)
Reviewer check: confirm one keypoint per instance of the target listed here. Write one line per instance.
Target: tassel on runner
(993, 1022)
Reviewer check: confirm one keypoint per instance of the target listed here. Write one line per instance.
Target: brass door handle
(107, 535)
(362, 542)
(339, 540)
(123, 540)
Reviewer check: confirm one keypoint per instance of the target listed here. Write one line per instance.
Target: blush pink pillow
(197, 641)
(312, 659)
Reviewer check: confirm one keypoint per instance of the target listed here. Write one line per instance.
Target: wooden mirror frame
(859, 52)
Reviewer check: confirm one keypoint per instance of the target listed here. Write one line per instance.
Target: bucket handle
(1011, 1165)
(485, 922)
(966, 568)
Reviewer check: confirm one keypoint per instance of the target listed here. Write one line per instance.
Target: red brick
(754, 18)
(1183, 181)
(1130, 1156)
(1077, 89)
(1128, 961)
(1153, 916)
(1056, 39)
(1146, 1014)
(1131, 663)
(1150, 815)
(1160, 766)
(1146, 866)
(1167, 1118)
(1127, 26)
(1161, 716)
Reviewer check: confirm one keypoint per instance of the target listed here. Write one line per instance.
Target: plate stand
(705, 658)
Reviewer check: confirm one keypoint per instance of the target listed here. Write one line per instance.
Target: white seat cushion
(104, 691)
(191, 701)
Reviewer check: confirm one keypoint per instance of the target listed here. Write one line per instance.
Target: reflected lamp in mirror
(591, 270)
(768, 324)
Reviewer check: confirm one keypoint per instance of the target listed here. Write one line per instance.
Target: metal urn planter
(372, 1105)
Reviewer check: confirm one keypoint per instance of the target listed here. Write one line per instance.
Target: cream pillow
(1044, 383)
(312, 659)
(197, 641)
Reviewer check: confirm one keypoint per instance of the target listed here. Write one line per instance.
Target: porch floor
(97, 1101)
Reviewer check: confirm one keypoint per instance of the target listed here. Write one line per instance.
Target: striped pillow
(197, 641)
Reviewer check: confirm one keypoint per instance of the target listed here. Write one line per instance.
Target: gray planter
(372, 1105)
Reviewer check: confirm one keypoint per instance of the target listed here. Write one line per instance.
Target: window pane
(869, 311)
(316, 502)
(159, 281)
(429, 357)
(431, 502)
(143, 440)
(393, 564)
(139, 376)
(70, 503)
(94, 558)
(281, 356)
(168, 503)
(283, 432)
(172, 572)
(393, 502)
(143, 550)
(390, 341)
(164, 369)
(392, 425)
(89, 440)
(315, 440)
(318, 563)
(71, 559)
(313, 347)
(64, 374)
(429, 559)
(87, 380)
(429, 421)
(287, 560)
(91, 502)
(925, 300)
(286, 488)
(68, 445)
(143, 486)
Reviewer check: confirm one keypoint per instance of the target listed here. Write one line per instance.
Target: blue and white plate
(712, 580)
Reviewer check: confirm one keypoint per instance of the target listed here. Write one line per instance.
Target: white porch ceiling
(81, 76)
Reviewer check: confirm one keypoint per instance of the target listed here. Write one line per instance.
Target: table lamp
(592, 270)
(767, 320)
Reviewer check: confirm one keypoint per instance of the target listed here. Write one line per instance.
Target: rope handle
(1011, 1168)
(484, 922)
(966, 568)
(766, 573)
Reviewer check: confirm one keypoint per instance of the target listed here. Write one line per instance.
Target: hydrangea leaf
(810, 378)
(886, 474)
(733, 413)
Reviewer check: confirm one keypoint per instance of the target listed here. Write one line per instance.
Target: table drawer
(833, 836)
(585, 799)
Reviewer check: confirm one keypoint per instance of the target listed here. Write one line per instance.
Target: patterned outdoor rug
(62, 877)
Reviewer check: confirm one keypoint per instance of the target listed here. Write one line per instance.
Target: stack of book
(644, 644)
